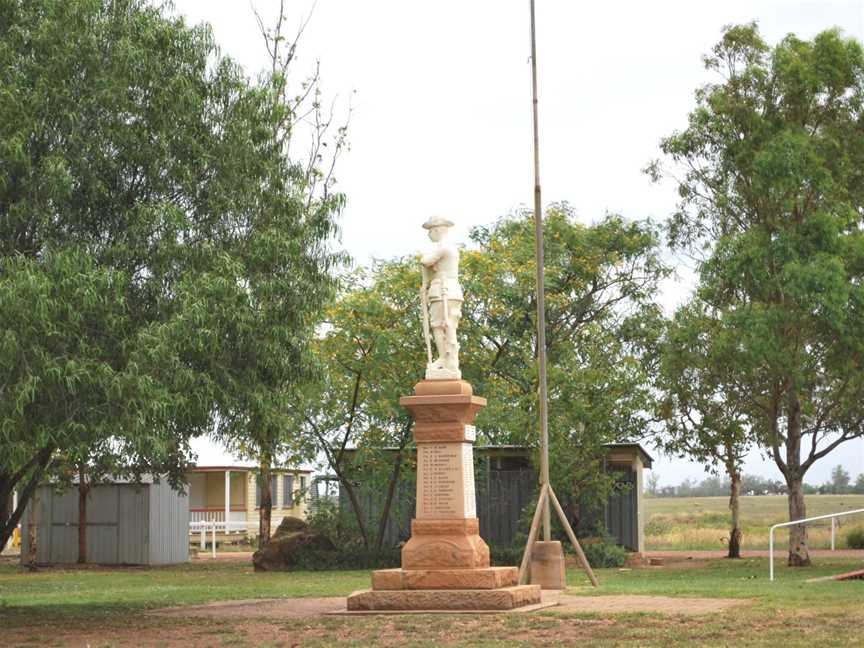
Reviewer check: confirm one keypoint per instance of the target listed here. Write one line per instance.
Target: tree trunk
(5, 501)
(734, 508)
(798, 554)
(388, 501)
(83, 490)
(36, 466)
(358, 510)
(32, 535)
(266, 509)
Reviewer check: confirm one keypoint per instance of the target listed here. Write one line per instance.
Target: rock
(280, 554)
(290, 525)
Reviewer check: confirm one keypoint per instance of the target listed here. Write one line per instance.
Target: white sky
(441, 118)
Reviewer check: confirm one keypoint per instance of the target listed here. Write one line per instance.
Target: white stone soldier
(443, 294)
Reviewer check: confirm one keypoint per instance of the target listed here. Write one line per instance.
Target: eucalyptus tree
(277, 274)
(702, 405)
(601, 281)
(370, 354)
(143, 205)
(771, 190)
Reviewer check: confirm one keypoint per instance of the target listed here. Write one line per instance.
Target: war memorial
(445, 564)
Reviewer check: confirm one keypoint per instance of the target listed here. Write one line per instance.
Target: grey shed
(127, 524)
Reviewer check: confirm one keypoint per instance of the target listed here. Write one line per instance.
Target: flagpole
(546, 496)
(541, 297)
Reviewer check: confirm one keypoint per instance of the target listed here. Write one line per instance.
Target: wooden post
(566, 524)
(227, 498)
(541, 301)
(542, 505)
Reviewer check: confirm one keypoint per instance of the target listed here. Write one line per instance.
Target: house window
(303, 486)
(288, 491)
(273, 492)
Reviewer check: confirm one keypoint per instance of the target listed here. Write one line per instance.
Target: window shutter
(303, 486)
(257, 493)
(274, 490)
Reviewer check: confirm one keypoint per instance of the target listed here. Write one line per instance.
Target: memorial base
(503, 598)
(445, 563)
(440, 579)
(445, 544)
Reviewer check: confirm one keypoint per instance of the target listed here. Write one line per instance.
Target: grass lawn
(108, 608)
(692, 523)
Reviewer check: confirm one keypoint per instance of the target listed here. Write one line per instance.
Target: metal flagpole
(545, 493)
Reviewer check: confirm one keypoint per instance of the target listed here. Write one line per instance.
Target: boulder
(291, 537)
(290, 525)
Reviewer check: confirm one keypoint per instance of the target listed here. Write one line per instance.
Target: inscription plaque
(470, 506)
(445, 481)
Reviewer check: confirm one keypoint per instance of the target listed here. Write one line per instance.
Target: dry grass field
(697, 523)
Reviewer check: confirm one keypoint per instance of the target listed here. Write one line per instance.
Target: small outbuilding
(506, 484)
(127, 524)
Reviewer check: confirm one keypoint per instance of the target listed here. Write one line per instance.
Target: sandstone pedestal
(445, 564)
(547, 565)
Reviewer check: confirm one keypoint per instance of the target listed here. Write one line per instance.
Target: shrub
(506, 556)
(317, 560)
(603, 552)
(855, 538)
(600, 552)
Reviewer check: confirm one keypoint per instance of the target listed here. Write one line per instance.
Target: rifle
(424, 305)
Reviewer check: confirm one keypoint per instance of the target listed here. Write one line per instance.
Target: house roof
(243, 468)
(213, 455)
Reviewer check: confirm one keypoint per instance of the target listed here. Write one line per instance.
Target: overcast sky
(441, 121)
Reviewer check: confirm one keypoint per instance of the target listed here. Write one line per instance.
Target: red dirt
(853, 575)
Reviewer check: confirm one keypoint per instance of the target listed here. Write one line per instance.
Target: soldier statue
(441, 296)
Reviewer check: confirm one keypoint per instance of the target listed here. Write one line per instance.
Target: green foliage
(600, 283)
(771, 193)
(841, 482)
(347, 559)
(162, 258)
(366, 359)
(855, 538)
(601, 279)
(603, 552)
(506, 556)
(340, 527)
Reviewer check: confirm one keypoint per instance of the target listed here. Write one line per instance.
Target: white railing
(214, 515)
(202, 527)
(207, 516)
(832, 516)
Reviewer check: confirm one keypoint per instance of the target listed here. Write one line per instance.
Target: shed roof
(647, 459)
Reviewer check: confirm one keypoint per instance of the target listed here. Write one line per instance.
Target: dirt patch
(628, 604)
(258, 608)
(223, 556)
(310, 607)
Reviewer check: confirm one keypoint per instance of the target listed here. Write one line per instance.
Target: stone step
(504, 598)
(484, 578)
